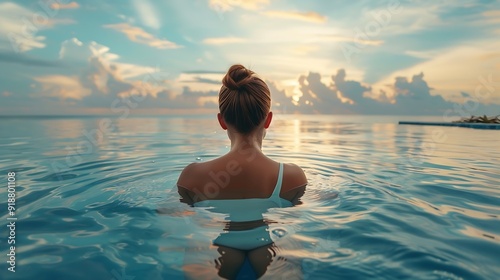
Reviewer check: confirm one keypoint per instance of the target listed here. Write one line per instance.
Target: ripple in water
(380, 204)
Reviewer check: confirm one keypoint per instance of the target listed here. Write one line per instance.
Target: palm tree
(480, 119)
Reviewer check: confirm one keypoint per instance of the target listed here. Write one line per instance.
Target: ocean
(384, 201)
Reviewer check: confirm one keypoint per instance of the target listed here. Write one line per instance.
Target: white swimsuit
(245, 210)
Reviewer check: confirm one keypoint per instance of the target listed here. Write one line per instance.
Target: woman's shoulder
(197, 172)
(294, 182)
(293, 175)
(190, 174)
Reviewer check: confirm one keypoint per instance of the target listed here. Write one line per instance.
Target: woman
(244, 183)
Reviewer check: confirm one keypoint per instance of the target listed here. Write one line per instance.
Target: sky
(391, 57)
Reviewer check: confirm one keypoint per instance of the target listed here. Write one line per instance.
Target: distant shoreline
(456, 124)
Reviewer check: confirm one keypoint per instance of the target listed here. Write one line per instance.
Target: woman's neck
(246, 141)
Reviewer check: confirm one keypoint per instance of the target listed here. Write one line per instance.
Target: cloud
(454, 70)
(280, 101)
(59, 6)
(224, 40)
(412, 97)
(351, 92)
(340, 38)
(187, 92)
(492, 16)
(22, 59)
(51, 22)
(19, 27)
(318, 97)
(73, 49)
(187, 101)
(305, 49)
(147, 13)
(227, 5)
(422, 54)
(64, 87)
(199, 80)
(138, 35)
(102, 82)
(16, 34)
(493, 13)
(190, 99)
(302, 16)
(100, 78)
(125, 18)
(204, 81)
(404, 19)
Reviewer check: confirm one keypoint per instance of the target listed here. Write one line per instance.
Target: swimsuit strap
(277, 188)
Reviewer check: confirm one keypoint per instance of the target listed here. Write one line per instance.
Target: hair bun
(237, 77)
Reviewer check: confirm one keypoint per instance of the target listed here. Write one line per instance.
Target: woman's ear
(221, 121)
(269, 118)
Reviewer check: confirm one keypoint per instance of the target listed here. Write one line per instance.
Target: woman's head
(244, 99)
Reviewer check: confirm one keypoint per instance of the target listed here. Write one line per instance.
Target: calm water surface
(384, 201)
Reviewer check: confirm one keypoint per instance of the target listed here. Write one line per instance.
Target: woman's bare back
(238, 175)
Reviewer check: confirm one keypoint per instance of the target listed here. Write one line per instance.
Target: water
(383, 202)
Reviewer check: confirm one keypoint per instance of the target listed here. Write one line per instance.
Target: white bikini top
(248, 209)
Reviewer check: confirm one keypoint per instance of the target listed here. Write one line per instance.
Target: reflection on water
(384, 201)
